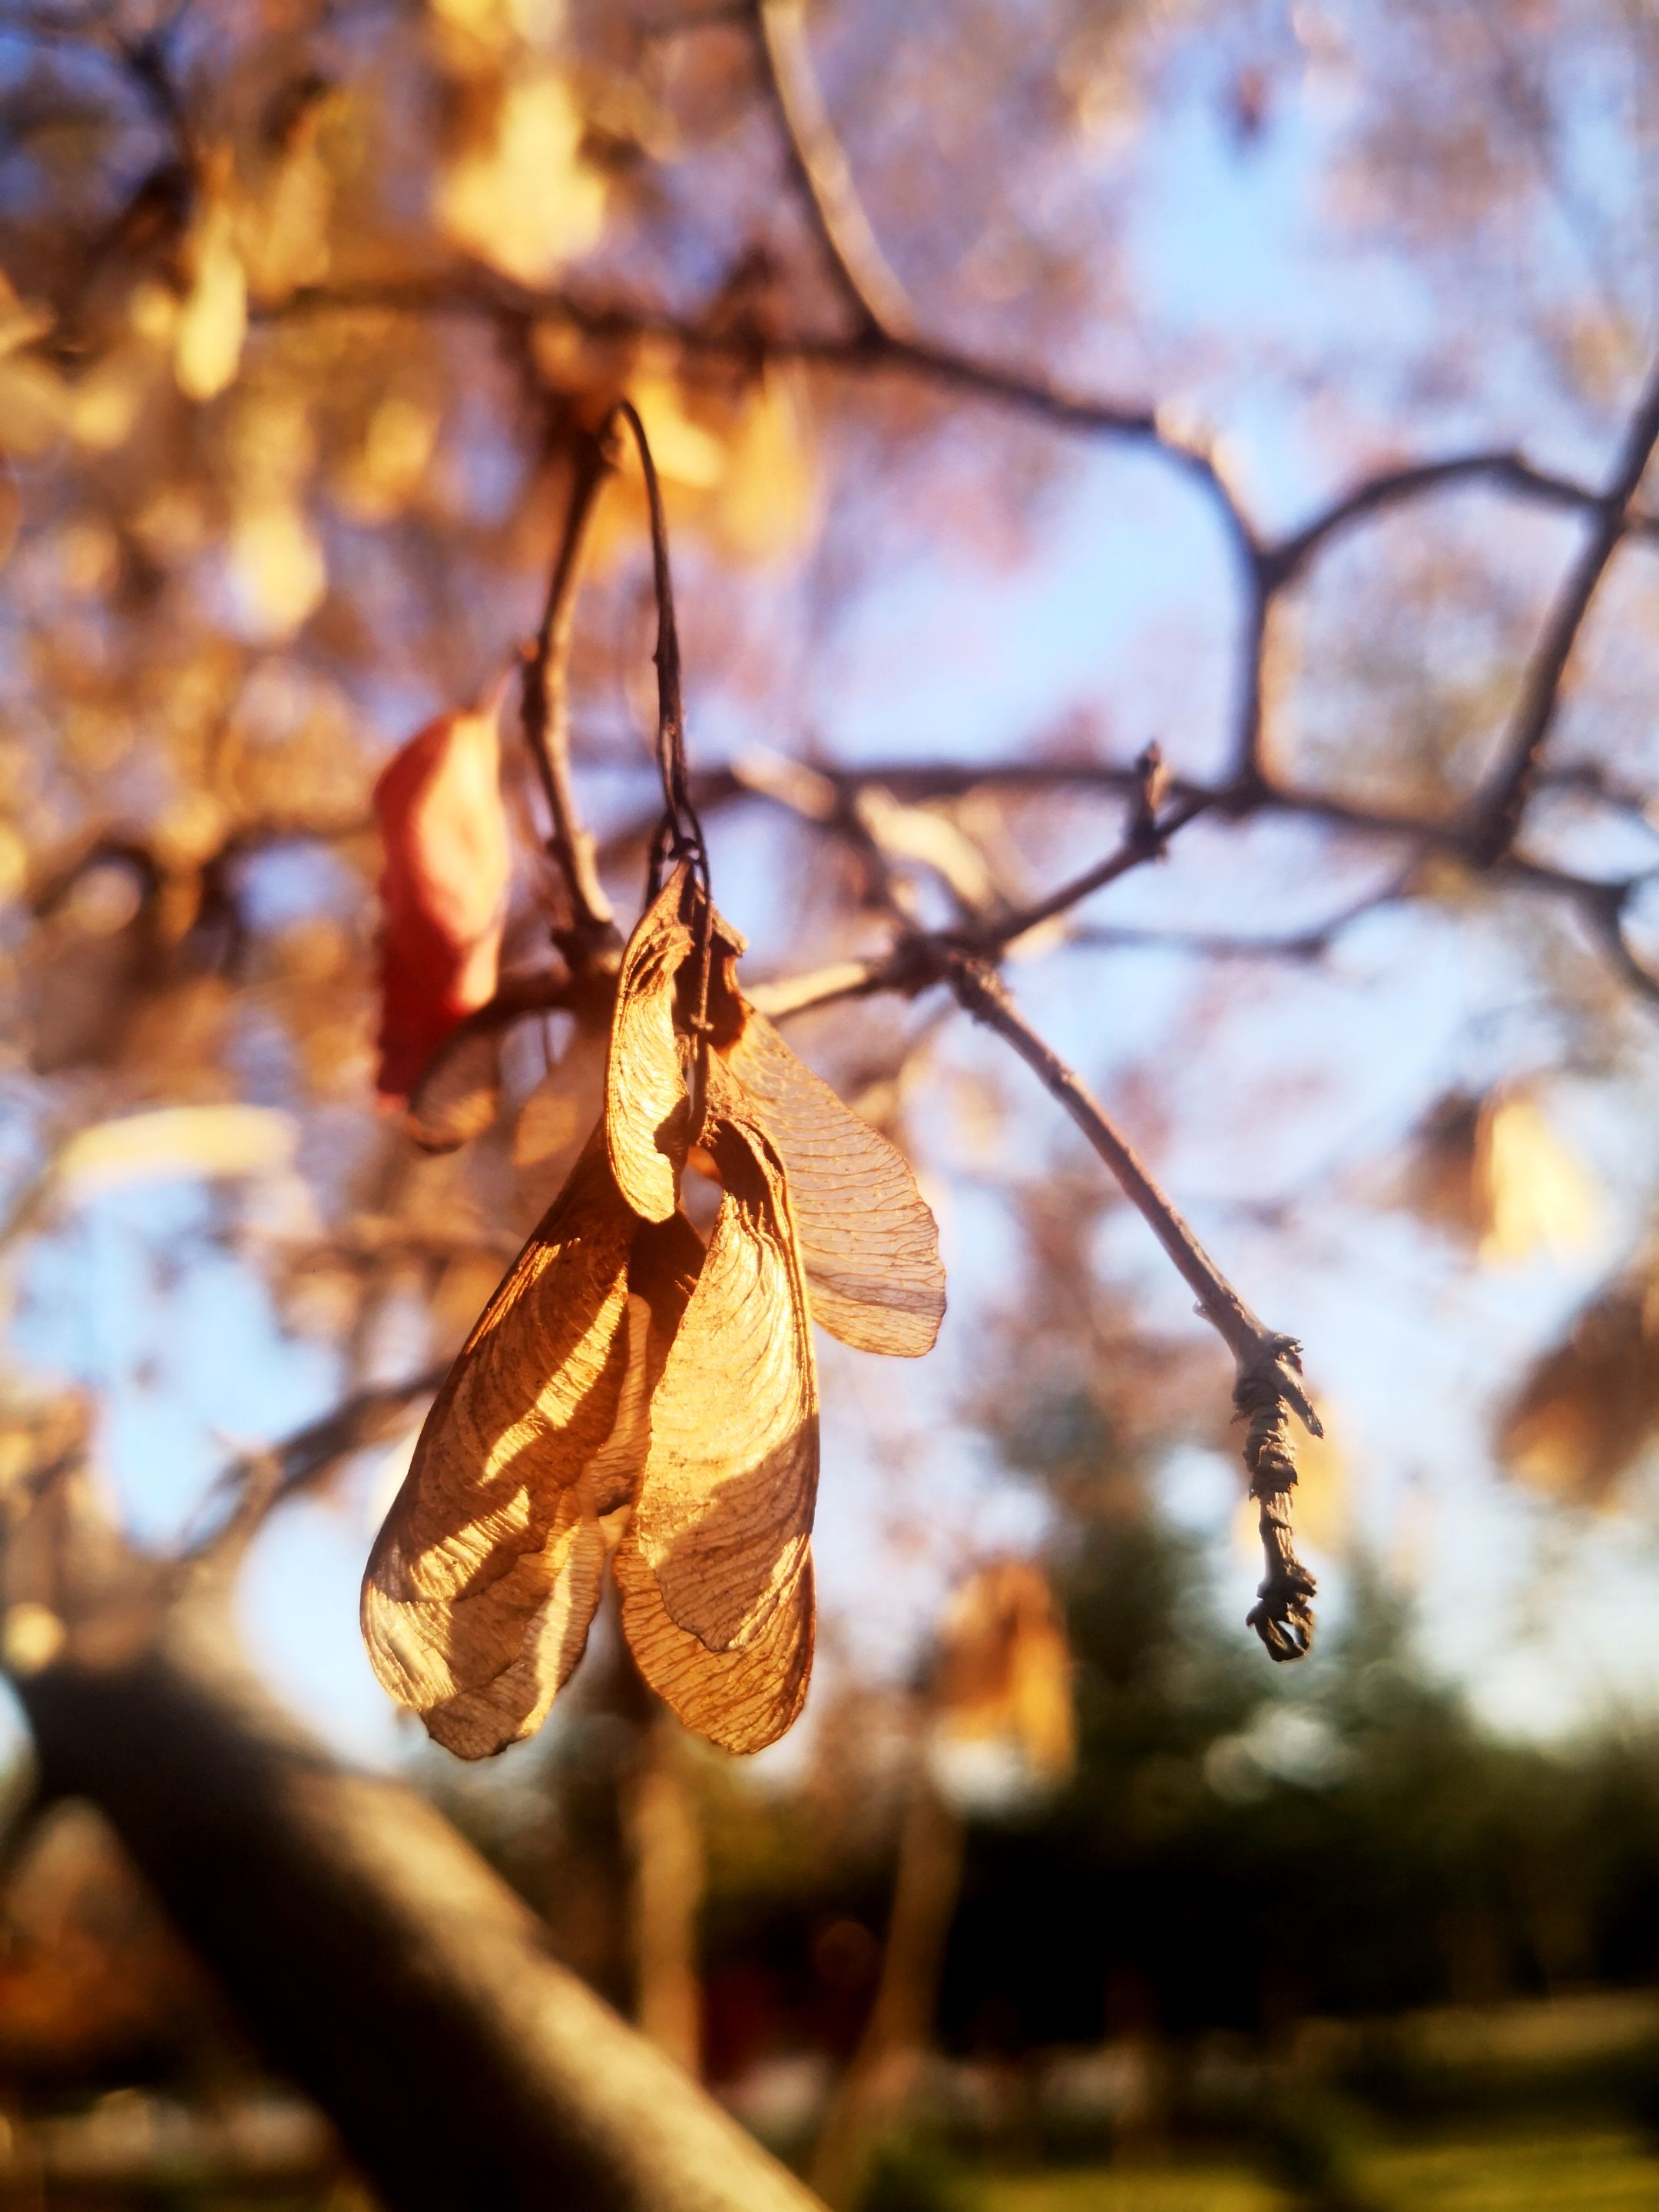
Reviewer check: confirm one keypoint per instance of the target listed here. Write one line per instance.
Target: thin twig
(1507, 472)
(1152, 785)
(1217, 945)
(1268, 1386)
(682, 829)
(1604, 903)
(824, 175)
(591, 939)
(826, 987)
(1249, 732)
(255, 1485)
(1497, 813)
(1139, 846)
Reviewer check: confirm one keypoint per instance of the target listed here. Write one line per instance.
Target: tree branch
(1140, 844)
(374, 1957)
(253, 1486)
(1268, 1381)
(823, 176)
(1267, 1385)
(471, 291)
(1498, 811)
(591, 938)
(1214, 945)
(1510, 472)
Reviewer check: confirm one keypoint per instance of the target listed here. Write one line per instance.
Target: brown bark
(666, 1852)
(377, 1961)
(873, 2093)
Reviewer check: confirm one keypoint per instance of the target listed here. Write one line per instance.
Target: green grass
(1563, 2171)
(1602, 2171)
(1135, 2189)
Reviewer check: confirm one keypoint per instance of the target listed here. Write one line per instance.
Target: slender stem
(680, 832)
(1250, 736)
(980, 993)
(1509, 471)
(822, 174)
(591, 938)
(671, 702)
(1139, 846)
(260, 1481)
(821, 987)
(1498, 811)
(1267, 1387)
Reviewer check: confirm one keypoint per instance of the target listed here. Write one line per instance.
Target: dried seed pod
(625, 1369)
(868, 1242)
(482, 1582)
(724, 1511)
(646, 1100)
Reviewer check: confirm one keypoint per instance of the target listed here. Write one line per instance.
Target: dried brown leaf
(646, 1102)
(483, 1581)
(725, 1509)
(741, 1700)
(1589, 1406)
(868, 1242)
(1006, 1668)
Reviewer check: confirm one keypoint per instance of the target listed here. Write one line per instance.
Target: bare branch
(822, 172)
(257, 1483)
(1140, 843)
(375, 1958)
(591, 938)
(472, 292)
(826, 987)
(1498, 811)
(1508, 471)
(1214, 945)
(1268, 1386)
(475, 292)
(913, 963)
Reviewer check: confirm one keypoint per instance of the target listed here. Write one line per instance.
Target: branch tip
(1267, 1391)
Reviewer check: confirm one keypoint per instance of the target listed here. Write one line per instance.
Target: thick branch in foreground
(377, 1961)
(1268, 1386)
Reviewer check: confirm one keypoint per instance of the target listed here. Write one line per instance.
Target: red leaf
(444, 889)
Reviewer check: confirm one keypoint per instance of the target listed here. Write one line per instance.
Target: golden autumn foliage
(1589, 1408)
(635, 1394)
(1004, 1669)
(1494, 1172)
